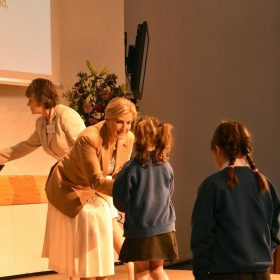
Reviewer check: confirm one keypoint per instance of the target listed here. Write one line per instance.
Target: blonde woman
(79, 239)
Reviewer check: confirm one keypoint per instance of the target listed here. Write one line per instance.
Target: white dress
(81, 246)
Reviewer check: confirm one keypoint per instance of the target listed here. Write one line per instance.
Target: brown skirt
(159, 247)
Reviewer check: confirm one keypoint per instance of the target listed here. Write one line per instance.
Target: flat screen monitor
(137, 59)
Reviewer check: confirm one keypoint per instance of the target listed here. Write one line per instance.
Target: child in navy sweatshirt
(235, 220)
(142, 190)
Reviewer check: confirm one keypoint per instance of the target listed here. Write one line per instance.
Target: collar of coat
(101, 140)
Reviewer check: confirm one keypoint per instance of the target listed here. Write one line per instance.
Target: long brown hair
(150, 134)
(235, 140)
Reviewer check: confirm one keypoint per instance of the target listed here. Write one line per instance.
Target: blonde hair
(119, 106)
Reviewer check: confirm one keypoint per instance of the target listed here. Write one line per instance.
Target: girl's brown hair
(153, 141)
(234, 139)
(44, 92)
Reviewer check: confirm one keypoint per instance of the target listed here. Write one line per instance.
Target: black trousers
(247, 276)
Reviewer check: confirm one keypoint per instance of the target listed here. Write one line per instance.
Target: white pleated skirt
(81, 246)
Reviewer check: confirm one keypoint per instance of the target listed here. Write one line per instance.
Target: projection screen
(29, 41)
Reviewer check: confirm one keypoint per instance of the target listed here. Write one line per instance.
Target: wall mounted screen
(137, 58)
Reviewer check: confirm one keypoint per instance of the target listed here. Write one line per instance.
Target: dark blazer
(75, 178)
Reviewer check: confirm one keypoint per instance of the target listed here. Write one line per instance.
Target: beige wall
(90, 30)
(209, 61)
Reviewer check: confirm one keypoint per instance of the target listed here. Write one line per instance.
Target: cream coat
(82, 172)
(68, 125)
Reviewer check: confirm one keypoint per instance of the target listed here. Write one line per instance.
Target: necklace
(113, 149)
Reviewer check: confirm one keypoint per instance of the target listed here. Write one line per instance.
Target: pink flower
(98, 108)
(87, 107)
(106, 95)
(92, 120)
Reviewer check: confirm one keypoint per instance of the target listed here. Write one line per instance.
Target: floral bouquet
(92, 93)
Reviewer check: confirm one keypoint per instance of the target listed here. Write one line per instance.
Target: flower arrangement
(92, 93)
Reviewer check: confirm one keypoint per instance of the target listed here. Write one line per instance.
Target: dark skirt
(159, 247)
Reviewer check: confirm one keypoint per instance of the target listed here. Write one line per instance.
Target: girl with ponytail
(235, 220)
(143, 190)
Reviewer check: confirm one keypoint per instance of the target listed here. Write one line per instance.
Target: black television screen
(137, 59)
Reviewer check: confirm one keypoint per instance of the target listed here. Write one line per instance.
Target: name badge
(50, 128)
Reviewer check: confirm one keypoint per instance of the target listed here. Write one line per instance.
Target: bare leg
(156, 270)
(142, 270)
(118, 241)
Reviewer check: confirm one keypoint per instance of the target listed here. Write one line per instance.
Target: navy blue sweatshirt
(234, 231)
(144, 195)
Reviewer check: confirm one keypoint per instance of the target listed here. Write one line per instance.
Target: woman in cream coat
(78, 240)
(56, 130)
